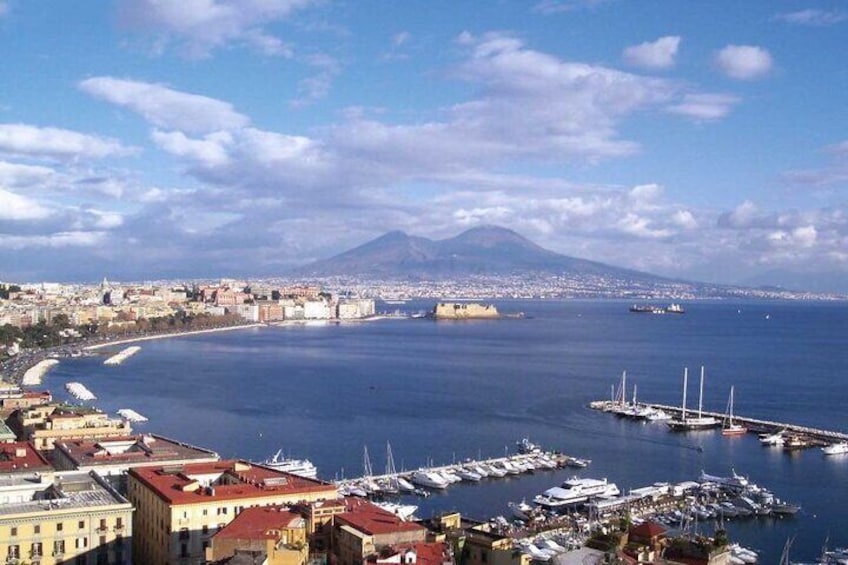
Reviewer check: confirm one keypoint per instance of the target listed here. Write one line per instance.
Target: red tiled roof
(258, 522)
(426, 553)
(373, 520)
(647, 530)
(146, 450)
(21, 456)
(250, 482)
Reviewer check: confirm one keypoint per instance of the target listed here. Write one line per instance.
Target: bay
(445, 391)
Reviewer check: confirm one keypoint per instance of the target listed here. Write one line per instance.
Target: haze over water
(442, 391)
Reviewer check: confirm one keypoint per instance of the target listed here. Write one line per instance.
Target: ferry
(574, 491)
(300, 467)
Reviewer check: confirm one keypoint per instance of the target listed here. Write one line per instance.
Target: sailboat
(367, 483)
(700, 422)
(730, 428)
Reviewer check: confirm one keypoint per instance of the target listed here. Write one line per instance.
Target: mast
(634, 395)
(366, 462)
(685, 384)
(731, 406)
(701, 393)
(623, 388)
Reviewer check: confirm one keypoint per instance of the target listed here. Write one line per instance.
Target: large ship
(653, 309)
(300, 467)
(574, 491)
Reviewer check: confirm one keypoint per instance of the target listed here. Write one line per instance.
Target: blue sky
(193, 138)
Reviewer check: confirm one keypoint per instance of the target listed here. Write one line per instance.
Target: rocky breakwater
(464, 311)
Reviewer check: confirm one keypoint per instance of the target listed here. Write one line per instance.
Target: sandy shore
(33, 374)
(168, 335)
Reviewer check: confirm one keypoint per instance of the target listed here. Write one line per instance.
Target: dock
(122, 355)
(79, 391)
(755, 425)
(131, 415)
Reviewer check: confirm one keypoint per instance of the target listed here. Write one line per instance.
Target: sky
(156, 139)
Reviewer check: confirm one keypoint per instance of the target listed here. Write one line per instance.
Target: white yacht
(575, 490)
(776, 438)
(429, 479)
(300, 467)
(402, 511)
(836, 448)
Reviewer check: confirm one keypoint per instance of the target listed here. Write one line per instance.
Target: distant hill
(485, 250)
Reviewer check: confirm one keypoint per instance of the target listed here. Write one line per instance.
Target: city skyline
(153, 139)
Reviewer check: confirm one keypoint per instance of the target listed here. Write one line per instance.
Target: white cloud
(657, 54)
(17, 207)
(835, 173)
(18, 175)
(685, 219)
(744, 62)
(201, 26)
(55, 240)
(318, 85)
(704, 106)
(164, 107)
(210, 151)
(401, 38)
(54, 143)
(813, 17)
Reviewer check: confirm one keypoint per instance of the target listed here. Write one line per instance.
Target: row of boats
(790, 441)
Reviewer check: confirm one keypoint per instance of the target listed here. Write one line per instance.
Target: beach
(167, 335)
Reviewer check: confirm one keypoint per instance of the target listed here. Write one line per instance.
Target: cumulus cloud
(17, 207)
(704, 106)
(201, 26)
(657, 54)
(55, 143)
(165, 107)
(19, 175)
(744, 62)
(812, 17)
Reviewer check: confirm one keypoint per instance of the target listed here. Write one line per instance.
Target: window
(36, 549)
(102, 523)
(184, 533)
(205, 512)
(59, 547)
(37, 528)
(82, 524)
(14, 531)
(14, 551)
(81, 543)
(59, 527)
(119, 522)
(205, 529)
(119, 540)
(183, 550)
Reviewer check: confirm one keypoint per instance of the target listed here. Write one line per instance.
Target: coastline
(168, 335)
(33, 375)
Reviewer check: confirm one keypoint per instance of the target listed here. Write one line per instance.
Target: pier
(131, 415)
(755, 425)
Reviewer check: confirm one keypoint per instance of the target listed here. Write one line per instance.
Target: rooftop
(259, 522)
(225, 480)
(373, 520)
(69, 493)
(130, 450)
(21, 457)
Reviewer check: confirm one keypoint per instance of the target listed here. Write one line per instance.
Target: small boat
(731, 428)
(429, 479)
(776, 438)
(521, 510)
(468, 475)
(405, 485)
(836, 448)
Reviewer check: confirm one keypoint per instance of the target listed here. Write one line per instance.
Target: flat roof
(230, 479)
(130, 450)
(70, 492)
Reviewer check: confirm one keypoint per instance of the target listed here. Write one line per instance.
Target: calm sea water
(444, 391)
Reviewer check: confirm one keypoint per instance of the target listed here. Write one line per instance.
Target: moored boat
(300, 467)
(836, 448)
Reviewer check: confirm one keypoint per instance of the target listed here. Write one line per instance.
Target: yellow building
(74, 519)
(273, 531)
(43, 425)
(180, 507)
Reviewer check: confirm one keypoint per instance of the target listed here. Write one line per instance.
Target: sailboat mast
(623, 388)
(701, 393)
(634, 395)
(685, 386)
(731, 405)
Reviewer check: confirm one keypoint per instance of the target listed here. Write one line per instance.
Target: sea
(445, 391)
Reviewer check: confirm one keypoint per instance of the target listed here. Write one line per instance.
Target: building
(273, 531)
(423, 553)
(180, 507)
(21, 457)
(44, 424)
(113, 457)
(364, 530)
(75, 519)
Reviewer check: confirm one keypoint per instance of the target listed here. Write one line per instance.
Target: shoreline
(168, 335)
(33, 375)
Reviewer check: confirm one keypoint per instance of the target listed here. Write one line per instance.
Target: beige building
(180, 507)
(76, 519)
(273, 531)
(43, 425)
(364, 529)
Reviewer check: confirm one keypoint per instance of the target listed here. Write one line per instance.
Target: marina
(122, 355)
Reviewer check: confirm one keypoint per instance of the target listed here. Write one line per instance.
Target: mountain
(485, 250)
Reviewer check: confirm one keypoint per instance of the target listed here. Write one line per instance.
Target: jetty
(79, 391)
(816, 436)
(122, 355)
(131, 415)
(32, 377)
